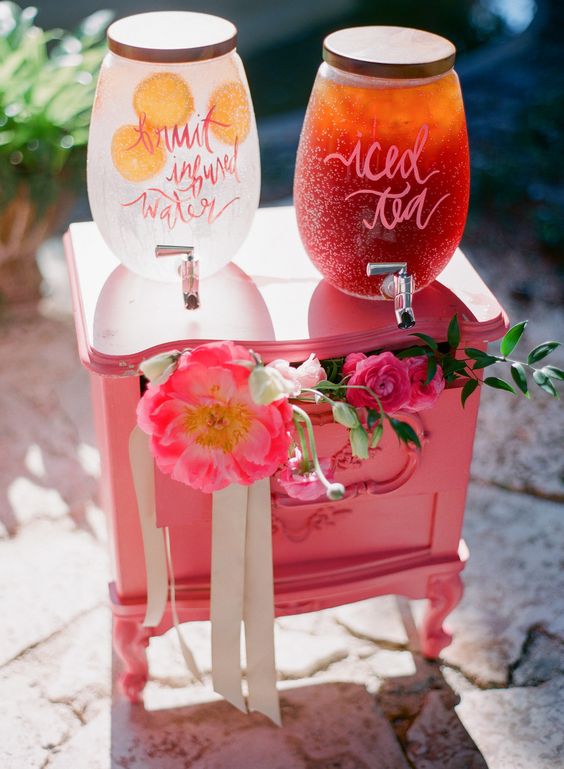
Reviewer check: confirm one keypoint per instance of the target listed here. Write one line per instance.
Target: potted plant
(47, 84)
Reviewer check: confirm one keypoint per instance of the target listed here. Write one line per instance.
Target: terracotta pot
(22, 231)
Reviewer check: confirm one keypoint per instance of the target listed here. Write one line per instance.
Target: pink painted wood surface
(272, 298)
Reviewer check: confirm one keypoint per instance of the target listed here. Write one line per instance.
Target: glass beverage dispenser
(382, 175)
(173, 159)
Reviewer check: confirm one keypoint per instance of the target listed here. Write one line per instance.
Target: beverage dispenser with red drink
(382, 174)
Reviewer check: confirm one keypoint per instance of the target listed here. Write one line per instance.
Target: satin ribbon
(158, 559)
(242, 592)
(143, 473)
(242, 589)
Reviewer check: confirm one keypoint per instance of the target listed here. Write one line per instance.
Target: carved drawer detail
(296, 529)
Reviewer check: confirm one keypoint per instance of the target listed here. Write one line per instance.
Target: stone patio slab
(50, 573)
(517, 728)
(514, 580)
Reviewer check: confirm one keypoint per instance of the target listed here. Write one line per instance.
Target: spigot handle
(189, 272)
(403, 297)
(400, 286)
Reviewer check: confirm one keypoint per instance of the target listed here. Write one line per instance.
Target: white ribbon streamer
(158, 559)
(143, 473)
(229, 517)
(242, 587)
(184, 648)
(259, 604)
(242, 590)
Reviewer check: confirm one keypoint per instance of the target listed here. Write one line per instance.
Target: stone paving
(355, 691)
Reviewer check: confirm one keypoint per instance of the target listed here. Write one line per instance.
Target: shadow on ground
(409, 721)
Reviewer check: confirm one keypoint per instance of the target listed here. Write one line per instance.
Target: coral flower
(206, 430)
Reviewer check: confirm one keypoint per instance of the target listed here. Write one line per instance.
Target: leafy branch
(457, 365)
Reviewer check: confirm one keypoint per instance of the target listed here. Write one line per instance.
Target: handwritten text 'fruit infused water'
(173, 152)
(382, 173)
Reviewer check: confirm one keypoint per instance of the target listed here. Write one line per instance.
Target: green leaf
(484, 362)
(326, 385)
(359, 442)
(511, 339)
(453, 333)
(474, 353)
(333, 368)
(545, 384)
(553, 372)
(431, 369)
(411, 352)
(372, 418)
(520, 378)
(481, 357)
(405, 432)
(451, 365)
(429, 340)
(541, 351)
(499, 384)
(93, 27)
(468, 389)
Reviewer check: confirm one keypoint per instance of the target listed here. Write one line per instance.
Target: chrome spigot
(399, 286)
(189, 271)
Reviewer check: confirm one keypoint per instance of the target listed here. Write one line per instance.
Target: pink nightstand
(398, 528)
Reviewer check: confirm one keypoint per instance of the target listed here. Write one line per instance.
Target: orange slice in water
(132, 158)
(231, 109)
(165, 99)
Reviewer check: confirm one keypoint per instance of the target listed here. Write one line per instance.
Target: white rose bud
(267, 384)
(359, 442)
(289, 374)
(345, 414)
(158, 368)
(311, 372)
(335, 492)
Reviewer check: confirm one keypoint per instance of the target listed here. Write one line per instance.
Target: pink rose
(206, 430)
(351, 362)
(423, 396)
(305, 486)
(387, 376)
(311, 372)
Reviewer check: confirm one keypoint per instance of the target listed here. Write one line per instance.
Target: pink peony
(351, 362)
(423, 396)
(206, 430)
(387, 376)
(311, 372)
(304, 486)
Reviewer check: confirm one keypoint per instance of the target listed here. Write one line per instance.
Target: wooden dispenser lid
(389, 52)
(169, 37)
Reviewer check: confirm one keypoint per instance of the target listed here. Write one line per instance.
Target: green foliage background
(47, 86)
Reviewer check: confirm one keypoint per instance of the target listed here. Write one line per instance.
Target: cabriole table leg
(444, 592)
(130, 640)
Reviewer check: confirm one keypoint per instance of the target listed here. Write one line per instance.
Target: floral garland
(217, 415)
